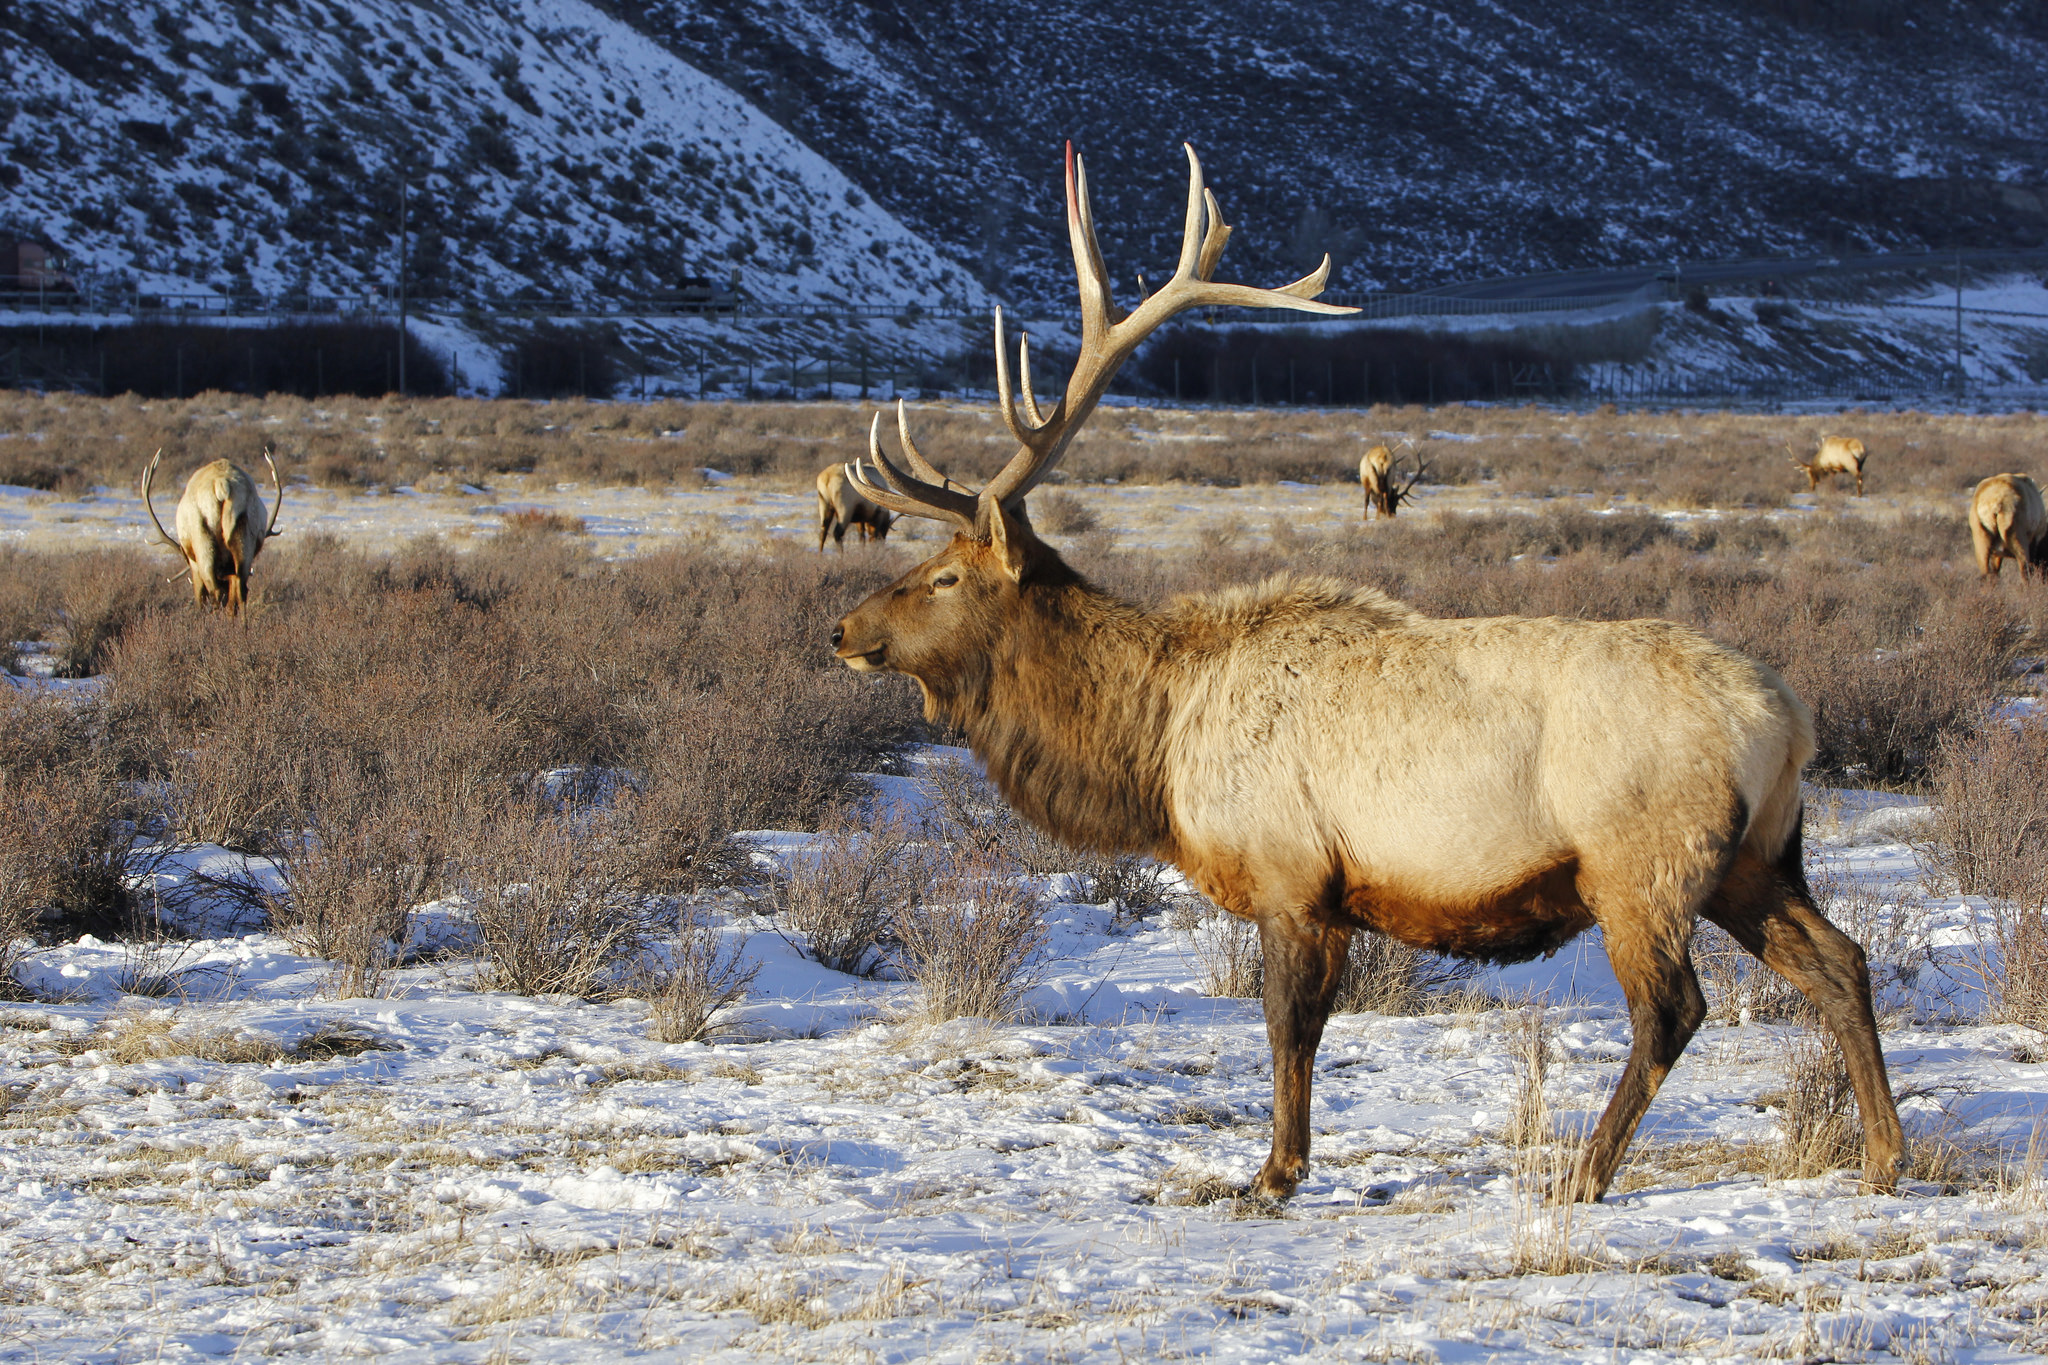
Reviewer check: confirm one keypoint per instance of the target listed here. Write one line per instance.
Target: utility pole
(403, 262)
(1959, 326)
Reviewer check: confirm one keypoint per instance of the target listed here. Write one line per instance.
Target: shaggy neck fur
(1069, 709)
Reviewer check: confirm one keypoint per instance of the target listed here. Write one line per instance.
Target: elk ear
(1007, 538)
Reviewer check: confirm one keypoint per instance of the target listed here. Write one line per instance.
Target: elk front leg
(1304, 963)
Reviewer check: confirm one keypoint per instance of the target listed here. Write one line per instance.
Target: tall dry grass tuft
(1818, 1129)
(104, 594)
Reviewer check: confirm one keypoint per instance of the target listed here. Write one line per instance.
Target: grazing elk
(221, 528)
(841, 507)
(1837, 455)
(1322, 760)
(2007, 521)
(1379, 474)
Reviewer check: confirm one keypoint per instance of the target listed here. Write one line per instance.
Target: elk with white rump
(2008, 521)
(221, 528)
(1837, 455)
(841, 507)
(1378, 474)
(1323, 760)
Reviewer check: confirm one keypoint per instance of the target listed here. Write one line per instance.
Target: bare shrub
(105, 592)
(839, 896)
(1816, 1111)
(1738, 987)
(1383, 975)
(1227, 950)
(541, 521)
(973, 940)
(1989, 838)
(1062, 514)
(63, 840)
(360, 854)
(552, 899)
(689, 978)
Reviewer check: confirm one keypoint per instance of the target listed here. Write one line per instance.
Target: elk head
(945, 622)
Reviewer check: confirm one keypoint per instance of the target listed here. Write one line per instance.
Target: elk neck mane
(1072, 708)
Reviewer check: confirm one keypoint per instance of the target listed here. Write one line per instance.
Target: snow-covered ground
(450, 1174)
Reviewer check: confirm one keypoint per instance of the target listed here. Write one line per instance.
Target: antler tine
(148, 474)
(1213, 241)
(880, 481)
(919, 465)
(1031, 412)
(1192, 239)
(277, 487)
(1006, 396)
(1099, 312)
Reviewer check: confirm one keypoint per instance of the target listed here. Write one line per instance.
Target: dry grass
(1225, 949)
(1819, 1132)
(1671, 459)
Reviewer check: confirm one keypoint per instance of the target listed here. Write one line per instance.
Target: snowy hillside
(1420, 143)
(551, 150)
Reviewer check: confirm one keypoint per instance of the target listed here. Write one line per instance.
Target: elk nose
(838, 634)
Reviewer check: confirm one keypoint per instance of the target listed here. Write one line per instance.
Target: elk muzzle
(861, 654)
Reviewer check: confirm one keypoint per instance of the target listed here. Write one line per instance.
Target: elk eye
(945, 580)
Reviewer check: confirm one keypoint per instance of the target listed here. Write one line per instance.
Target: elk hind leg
(1652, 959)
(1304, 962)
(1769, 911)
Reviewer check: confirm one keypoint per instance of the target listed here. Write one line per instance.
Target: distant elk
(221, 528)
(1378, 474)
(1837, 455)
(842, 507)
(1322, 760)
(2007, 521)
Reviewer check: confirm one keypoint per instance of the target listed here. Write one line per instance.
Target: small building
(29, 266)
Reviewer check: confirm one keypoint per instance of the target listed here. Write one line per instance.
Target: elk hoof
(1276, 1181)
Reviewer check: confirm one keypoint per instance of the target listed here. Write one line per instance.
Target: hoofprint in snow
(448, 1174)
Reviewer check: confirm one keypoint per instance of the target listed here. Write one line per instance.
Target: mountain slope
(1419, 142)
(551, 150)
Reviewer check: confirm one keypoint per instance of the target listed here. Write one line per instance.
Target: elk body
(1323, 760)
(1384, 489)
(221, 528)
(841, 507)
(1837, 455)
(2008, 521)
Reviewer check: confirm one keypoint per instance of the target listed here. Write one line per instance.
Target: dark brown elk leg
(1304, 963)
(1665, 1008)
(1768, 911)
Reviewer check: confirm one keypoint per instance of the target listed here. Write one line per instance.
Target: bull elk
(221, 528)
(1379, 474)
(842, 507)
(1321, 759)
(1837, 455)
(2007, 521)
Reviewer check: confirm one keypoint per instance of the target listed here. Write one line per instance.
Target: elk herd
(1320, 759)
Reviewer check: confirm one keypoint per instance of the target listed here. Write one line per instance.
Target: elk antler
(1421, 468)
(1108, 338)
(270, 527)
(148, 474)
